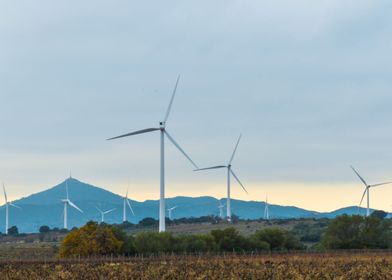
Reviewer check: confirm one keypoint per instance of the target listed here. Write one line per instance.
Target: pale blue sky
(306, 82)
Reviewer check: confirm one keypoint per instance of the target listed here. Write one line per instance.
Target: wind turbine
(170, 210)
(221, 208)
(163, 132)
(229, 173)
(67, 202)
(6, 209)
(266, 209)
(367, 191)
(125, 203)
(103, 213)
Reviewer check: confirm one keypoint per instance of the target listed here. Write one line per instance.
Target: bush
(278, 239)
(13, 231)
(90, 240)
(357, 232)
(229, 239)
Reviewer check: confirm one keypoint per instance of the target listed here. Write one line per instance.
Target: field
(286, 266)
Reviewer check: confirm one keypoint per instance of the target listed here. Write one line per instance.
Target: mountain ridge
(46, 207)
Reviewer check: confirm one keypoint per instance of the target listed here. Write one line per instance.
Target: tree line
(102, 239)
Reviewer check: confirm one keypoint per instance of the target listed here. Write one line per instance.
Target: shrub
(89, 240)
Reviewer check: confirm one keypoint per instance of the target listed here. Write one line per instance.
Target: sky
(307, 83)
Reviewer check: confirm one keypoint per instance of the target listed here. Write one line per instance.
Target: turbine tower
(67, 202)
(7, 204)
(125, 204)
(367, 191)
(170, 210)
(266, 209)
(230, 173)
(103, 213)
(163, 133)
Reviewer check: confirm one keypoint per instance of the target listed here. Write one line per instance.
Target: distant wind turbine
(266, 209)
(125, 204)
(163, 130)
(67, 202)
(103, 213)
(229, 173)
(221, 208)
(367, 190)
(7, 204)
(170, 210)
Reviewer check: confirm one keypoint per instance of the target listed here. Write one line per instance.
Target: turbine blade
(359, 176)
(130, 207)
(213, 167)
(5, 194)
(171, 100)
(238, 180)
(99, 210)
(134, 133)
(16, 206)
(74, 206)
(376, 185)
(109, 211)
(66, 188)
(363, 196)
(235, 149)
(180, 149)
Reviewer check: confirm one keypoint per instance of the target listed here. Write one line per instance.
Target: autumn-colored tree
(91, 240)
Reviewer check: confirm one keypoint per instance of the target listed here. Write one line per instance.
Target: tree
(147, 222)
(357, 232)
(91, 239)
(278, 239)
(379, 214)
(44, 229)
(229, 239)
(13, 231)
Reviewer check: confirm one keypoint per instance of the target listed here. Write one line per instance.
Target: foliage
(13, 230)
(278, 239)
(91, 239)
(307, 232)
(357, 232)
(379, 214)
(44, 229)
(229, 239)
(148, 222)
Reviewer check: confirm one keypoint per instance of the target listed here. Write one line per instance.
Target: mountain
(46, 208)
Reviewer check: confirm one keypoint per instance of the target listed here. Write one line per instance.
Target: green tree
(379, 214)
(278, 239)
(229, 239)
(13, 231)
(357, 232)
(44, 229)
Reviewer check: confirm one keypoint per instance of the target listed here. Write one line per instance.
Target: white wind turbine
(163, 132)
(7, 204)
(221, 208)
(125, 204)
(229, 173)
(170, 210)
(67, 202)
(367, 191)
(266, 209)
(103, 213)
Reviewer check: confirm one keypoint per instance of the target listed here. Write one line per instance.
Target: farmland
(277, 266)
